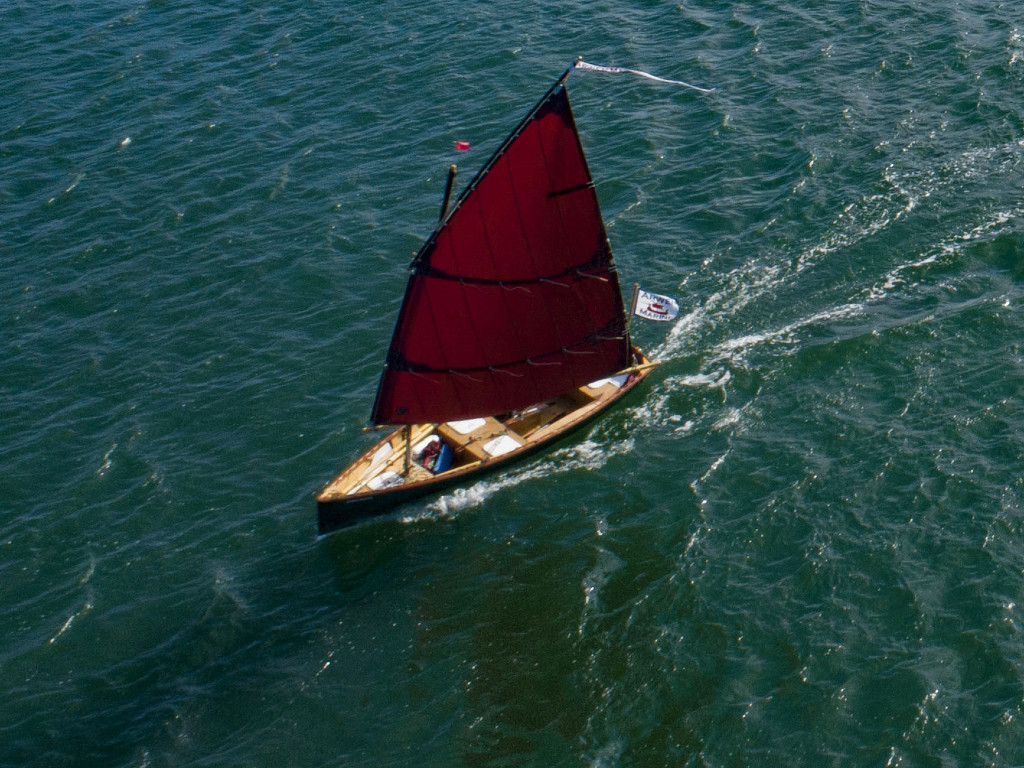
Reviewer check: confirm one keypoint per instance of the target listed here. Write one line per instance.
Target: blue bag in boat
(444, 459)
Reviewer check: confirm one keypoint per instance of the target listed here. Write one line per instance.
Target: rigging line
(464, 375)
(426, 376)
(492, 369)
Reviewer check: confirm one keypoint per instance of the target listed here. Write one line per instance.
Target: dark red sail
(514, 299)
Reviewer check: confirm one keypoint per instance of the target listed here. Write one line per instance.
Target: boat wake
(587, 455)
(740, 325)
(740, 329)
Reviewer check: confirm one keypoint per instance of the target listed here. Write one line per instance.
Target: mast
(447, 190)
(632, 304)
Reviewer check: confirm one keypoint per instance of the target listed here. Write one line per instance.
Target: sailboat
(513, 330)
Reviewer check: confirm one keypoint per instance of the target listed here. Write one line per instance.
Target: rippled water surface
(800, 544)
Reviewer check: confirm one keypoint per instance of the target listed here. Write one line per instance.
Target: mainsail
(514, 299)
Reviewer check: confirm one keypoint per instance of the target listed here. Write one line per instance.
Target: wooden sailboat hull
(478, 446)
(513, 308)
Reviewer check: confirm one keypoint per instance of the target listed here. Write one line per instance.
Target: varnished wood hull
(348, 500)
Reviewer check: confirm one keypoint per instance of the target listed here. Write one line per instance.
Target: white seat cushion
(467, 426)
(501, 445)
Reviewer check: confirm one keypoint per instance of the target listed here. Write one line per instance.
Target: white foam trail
(69, 189)
(1015, 44)
(900, 275)
(585, 455)
(753, 281)
(107, 462)
(599, 575)
(88, 571)
(71, 620)
(734, 351)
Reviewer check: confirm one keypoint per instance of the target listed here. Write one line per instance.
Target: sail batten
(514, 299)
(594, 263)
(616, 334)
(570, 190)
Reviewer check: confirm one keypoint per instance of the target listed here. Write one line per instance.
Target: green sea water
(800, 544)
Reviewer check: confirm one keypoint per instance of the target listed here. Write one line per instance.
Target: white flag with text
(655, 307)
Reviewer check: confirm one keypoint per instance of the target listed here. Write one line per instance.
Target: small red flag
(462, 146)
